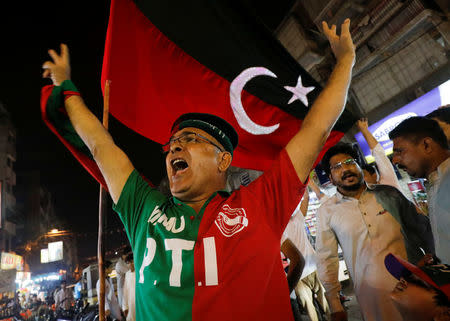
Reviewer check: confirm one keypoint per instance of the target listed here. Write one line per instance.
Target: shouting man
(206, 254)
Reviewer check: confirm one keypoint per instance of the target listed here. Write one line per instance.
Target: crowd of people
(379, 229)
(371, 221)
(33, 306)
(203, 253)
(72, 302)
(120, 306)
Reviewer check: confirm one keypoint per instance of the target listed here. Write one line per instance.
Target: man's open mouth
(178, 165)
(347, 176)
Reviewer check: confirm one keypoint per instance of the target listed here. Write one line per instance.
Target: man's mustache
(348, 174)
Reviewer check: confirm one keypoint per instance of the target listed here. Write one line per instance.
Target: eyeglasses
(349, 161)
(188, 138)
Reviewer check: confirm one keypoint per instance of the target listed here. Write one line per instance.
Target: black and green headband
(217, 127)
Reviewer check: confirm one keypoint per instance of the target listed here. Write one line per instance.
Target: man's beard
(353, 187)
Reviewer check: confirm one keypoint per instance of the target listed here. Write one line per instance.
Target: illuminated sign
(420, 107)
(44, 255)
(47, 277)
(23, 276)
(55, 251)
(11, 261)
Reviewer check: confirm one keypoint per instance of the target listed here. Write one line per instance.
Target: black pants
(296, 311)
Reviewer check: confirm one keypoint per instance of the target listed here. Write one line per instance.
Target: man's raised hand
(363, 124)
(342, 46)
(58, 69)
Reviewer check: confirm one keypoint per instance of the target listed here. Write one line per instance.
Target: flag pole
(103, 198)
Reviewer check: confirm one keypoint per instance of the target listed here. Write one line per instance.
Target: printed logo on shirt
(231, 220)
(158, 217)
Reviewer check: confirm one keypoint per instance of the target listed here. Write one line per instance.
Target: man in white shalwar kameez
(368, 223)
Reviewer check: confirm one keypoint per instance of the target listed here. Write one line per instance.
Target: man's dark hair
(442, 113)
(129, 258)
(339, 148)
(371, 168)
(108, 264)
(125, 250)
(441, 299)
(416, 128)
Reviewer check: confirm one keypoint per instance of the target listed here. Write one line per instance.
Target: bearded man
(368, 222)
(205, 254)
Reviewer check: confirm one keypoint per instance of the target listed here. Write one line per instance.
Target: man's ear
(224, 161)
(427, 145)
(331, 178)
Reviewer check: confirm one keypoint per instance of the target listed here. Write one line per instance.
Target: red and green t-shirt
(220, 264)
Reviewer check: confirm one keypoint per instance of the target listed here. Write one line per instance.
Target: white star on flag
(299, 92)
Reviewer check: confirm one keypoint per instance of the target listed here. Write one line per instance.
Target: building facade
(11, 220)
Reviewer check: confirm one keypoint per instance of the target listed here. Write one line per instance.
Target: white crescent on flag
(237, 85)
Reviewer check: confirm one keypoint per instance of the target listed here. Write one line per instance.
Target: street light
(55, 232)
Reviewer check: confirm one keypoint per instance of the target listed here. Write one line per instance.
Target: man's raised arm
(305, 146)
(112, 161)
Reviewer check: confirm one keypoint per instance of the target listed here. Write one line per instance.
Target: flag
(56, 119)
(165, 59)
(168, 58)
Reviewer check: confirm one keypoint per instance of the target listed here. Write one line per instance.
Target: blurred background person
(309, 286)
(383, 172)
(112, 307)
(128, 300)
(121, 270)
(23, 301)
(294, 262)
(64, 297)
